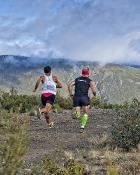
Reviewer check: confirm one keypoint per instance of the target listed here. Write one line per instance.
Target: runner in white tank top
(49, 86)
(50, 83)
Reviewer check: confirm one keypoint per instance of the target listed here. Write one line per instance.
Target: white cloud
(106, 31)
(116, 49)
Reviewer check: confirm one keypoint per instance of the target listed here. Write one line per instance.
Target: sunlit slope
(115, 83)
(118, 83)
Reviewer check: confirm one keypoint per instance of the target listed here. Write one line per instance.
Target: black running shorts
(46, 100)
(81, 101)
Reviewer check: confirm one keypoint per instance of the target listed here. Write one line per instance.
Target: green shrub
(12, 102)
(111, 170)
(14, 141)
(74, 168)
(47, 166)
(126, 129)
(67, 103)
(95, 101)
(57, 108)
(64, 103)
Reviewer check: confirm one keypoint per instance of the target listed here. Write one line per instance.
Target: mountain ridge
(115, 83)
(16, 59)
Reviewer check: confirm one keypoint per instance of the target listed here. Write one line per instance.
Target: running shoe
(82, 129)
(50, 125)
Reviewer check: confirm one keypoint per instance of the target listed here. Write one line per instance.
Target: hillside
(115, 83)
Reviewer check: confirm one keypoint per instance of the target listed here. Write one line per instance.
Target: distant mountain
(115, 83)
(133, 65)
(27, 62)
(128, 64)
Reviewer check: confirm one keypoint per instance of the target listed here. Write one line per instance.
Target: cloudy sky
(98, 30)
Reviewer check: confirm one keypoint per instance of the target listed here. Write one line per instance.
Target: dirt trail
(65, 134)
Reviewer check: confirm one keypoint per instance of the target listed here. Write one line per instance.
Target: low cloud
(105, 31)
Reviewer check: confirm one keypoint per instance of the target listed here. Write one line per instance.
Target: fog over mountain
(115, 83)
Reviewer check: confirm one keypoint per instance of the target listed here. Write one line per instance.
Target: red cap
(85, 72)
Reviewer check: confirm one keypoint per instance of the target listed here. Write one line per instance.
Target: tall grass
(13, 142)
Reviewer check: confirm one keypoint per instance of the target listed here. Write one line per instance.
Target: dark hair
(47, 69)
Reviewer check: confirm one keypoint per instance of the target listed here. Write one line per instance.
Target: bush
(67, 103)
(47, 166)
(57, 108)
(64, 103)
(12, 102)
(13, 143)
(74, 168)
(95, 101)
(126, 129)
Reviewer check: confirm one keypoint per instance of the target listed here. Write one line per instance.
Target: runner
(81, 98)
(50, 83)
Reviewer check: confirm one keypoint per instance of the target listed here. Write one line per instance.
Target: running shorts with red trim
(50, 99)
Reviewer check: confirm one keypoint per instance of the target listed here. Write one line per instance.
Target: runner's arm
(93, 88)
(37, 83)
(58, 82)
(70, 87)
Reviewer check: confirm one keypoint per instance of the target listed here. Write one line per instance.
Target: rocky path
(65, 134)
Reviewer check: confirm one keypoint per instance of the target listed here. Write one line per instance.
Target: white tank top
(49, 86)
